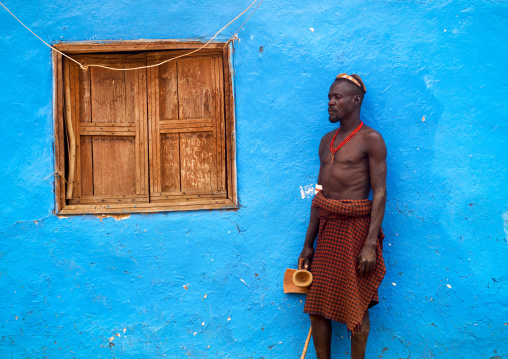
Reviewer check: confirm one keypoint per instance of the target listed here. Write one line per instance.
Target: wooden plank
(59, 131)
(87, 130)
(180, 205)
(176, 202)
(196, 159)
(177, 56)
(86, 166)
(114, 197)
(137, 45)
(108, 129)
(170, 159)
(108, 126)
(114, 165)
(114, 60)
(168, 91)
(85, 163)
(187, 129)
(109, 199)
(153, 130)
(75, 110)
(85, 115)
(229, 109)
(195, 89)
(188, 199)
(175, 195)
(217, 145)
(198, 122)
(69, 125)
(142, 134)
(206, 53)
(156, 207)
(108, 96)
(221, 147)
(93, 132)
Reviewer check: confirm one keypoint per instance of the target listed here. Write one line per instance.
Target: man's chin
(333, 119)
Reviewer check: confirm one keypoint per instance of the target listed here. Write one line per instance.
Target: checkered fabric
(338, 292)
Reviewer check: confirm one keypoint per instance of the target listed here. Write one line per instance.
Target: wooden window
(148, 140)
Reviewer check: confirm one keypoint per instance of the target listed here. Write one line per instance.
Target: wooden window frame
(193, 202)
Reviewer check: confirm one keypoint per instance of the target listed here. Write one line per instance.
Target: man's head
(345, 97)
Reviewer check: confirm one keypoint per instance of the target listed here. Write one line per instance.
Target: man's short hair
(355, 84)
(354, 79)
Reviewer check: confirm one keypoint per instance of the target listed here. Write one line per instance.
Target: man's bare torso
(348, 177)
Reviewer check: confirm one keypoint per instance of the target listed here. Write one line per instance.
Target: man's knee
(318, 320)
(364, 329)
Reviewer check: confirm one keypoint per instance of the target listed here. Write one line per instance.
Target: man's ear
(356, 100)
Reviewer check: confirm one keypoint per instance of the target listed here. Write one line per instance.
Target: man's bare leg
(322, 335)
(359, 338)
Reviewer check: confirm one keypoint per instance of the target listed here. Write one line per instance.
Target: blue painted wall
(436, 79)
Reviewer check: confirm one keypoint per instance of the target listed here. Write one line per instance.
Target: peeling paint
(117, 217)
(307, 191)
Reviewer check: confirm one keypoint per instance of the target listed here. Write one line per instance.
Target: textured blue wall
(436, 79)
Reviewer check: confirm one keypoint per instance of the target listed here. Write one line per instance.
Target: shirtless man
(350, 173)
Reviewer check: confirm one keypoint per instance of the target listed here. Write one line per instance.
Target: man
(348, 264)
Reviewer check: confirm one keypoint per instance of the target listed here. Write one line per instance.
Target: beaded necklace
(348, 138)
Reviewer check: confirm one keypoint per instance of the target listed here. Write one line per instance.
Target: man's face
(341, 101)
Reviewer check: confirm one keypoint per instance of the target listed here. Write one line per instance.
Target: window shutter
(186, 128)
(109, 116)
(154, 139)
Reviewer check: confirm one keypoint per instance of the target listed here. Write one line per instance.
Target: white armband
(318, 188)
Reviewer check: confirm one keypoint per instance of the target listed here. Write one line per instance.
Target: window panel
(196, 92)
(170, 162)
(114, 162)
(110, 123)
(168, 91)
(108, 96)
(197, 158)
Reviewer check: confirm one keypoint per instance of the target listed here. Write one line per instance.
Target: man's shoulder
(371, 135)
(373, 140)
(328, 137)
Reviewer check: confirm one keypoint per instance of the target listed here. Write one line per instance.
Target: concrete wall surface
(436, 78)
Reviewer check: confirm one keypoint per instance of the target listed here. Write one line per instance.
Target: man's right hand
(305, 260)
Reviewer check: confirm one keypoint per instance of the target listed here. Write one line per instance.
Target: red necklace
(348, 138)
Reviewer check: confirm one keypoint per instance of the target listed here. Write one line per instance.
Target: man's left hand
(367, 260)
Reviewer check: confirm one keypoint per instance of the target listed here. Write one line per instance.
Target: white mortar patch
(307, 191)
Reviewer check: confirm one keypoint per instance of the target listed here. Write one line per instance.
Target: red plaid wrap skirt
(338, 292)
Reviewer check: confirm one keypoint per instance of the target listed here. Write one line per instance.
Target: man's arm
(305, 259)
(376, 150)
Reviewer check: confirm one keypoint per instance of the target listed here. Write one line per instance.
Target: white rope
(58, 173)
(84, 67)
(234, 34)
(48, 45)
